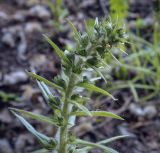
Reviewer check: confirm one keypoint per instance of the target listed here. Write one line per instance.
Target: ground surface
(22, 47)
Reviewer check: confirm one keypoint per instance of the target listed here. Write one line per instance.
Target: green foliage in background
(119, 10)
(139, 71)
(58, 12)
(144, 65)
(157, 20)
(72, 85)
(6, 97)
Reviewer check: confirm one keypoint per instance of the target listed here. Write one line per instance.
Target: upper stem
(65, 114)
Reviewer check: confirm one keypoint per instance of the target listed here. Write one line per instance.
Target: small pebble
(39, 11)
(19, 16)
(123, 130)
(5, 146)
(32, 26)
(4, 18)
(15, 77)
(38, 60)
(8, 39)
(5, 116)
(150, 111)
(136, 110)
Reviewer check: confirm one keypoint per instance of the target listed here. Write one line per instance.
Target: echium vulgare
(72, 85)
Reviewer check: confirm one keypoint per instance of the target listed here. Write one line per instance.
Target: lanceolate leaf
(77, 36)
(81, 107)
(47, 82)
(92, 87)
(134, 91)
(34, 116)
(40, 151)
(44, 140)
(100, 73)
(95, 145)
(112, 139)
(88, 28)
(98, 113)
(104, 142)
(45, 90)
(58, 51)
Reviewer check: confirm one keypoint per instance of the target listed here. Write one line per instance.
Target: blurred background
(135, 82)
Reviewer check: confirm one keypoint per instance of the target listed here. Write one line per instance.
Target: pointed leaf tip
(98, 114)
(47, 82)
(59, 52)
(92, 87)
(34, 116)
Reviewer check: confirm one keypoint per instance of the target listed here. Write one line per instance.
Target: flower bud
(54, 102)
(93, 61)
(59, 81)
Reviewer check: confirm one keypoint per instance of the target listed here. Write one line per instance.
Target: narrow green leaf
(81, 107)
(92, 87)
(134, 92)
(45, 90)
(95, 145)
(57, 49)
(34, 116)
(101, 74)
(47, 82)
(139, 69)
(51, 6)
(86, 149)
(77, 36)
(140, 40)
(98, 113)
(59, 3)
(137, 55)
(122, 85)
(117, 61)
(43, 139)
(40, 151)
(113, 139)
(88, 28)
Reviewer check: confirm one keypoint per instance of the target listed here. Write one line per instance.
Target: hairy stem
(65, 114)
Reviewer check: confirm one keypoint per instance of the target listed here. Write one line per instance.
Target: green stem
(65, 114)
